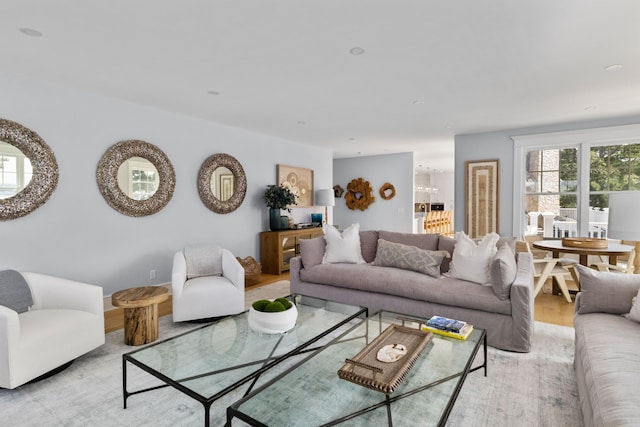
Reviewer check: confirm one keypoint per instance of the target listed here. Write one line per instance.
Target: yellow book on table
(462, 335)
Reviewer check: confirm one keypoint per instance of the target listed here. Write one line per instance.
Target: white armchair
(207, 296)
(65, 321)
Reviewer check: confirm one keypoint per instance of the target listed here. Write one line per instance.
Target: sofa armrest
(178, 273)
(56, 292)
(9, 337)
(522, 298)
(232, 269)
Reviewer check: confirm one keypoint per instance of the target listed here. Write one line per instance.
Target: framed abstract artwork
(482, 197)
(299, 181)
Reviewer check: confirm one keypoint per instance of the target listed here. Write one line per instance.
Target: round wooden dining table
(613, 250)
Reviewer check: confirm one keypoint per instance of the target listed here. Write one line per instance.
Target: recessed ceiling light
(613, 67)
(302, 122)
(590, 108)
(30, 32)
(213, 92)
(356, 51)
(352, 139)
(449, 127)
(418, 102)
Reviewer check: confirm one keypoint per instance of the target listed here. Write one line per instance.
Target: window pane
(615, 168)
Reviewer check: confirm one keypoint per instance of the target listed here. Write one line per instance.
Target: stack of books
(448, 327)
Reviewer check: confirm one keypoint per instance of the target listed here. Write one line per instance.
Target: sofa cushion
(472, 262)
(342, 247)
(408, 284)
(312, 251)
(428, 242)
(503, 271)
(448, 244)
(14, 291)
(409, 257)
(606, 292)
(608, 364)
(369, 244)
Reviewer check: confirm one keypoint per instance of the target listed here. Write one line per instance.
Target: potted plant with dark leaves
(277, 198)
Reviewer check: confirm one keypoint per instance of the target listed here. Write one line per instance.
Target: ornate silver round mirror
(136, 178)
(28, 170)
(222, 183)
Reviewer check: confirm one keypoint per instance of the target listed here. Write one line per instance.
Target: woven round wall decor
(387, 191)
(359, 194)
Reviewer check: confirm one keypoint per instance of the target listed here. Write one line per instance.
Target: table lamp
(325, 198)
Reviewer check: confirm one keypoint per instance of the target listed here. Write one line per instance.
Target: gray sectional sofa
(508, 321)
(607, 349)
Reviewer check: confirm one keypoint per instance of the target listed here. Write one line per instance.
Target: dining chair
(554, 268)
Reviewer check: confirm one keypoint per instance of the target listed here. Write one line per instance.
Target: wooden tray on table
(585, 242)
(366, 370)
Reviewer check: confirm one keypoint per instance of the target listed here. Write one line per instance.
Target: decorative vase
(284, 222)
(274, 219)
(273, 323)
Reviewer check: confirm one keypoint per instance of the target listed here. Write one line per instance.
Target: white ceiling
(283, 67)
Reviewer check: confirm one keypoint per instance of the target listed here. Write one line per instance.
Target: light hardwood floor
(547, 308)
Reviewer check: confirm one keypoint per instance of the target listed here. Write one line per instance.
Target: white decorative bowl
(273, 323)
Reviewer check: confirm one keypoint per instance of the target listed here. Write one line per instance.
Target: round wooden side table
(140, 312)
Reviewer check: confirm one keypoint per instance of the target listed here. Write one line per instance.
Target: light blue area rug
(534, 389)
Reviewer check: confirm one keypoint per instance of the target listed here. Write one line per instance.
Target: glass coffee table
(211, 361)
(311, 394)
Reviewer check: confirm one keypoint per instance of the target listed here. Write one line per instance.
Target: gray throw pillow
(312, 251)
(14, 291)
(423, 241)
(503, 271)
(603, 292)
(409, 257)
(369, 244)
(446, 244)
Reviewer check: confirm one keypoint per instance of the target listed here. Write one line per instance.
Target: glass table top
(210, 360)
(312, 394)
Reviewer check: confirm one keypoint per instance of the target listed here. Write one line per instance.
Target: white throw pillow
(342, 247)
(471, 261)
(634, 314)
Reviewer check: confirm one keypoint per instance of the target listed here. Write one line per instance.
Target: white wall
(444, 182)
(77, 235)
(395, 214)
(499, 145)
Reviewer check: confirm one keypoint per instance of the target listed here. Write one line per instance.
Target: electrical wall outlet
(152, 274)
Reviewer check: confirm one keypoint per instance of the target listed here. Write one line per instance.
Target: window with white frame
(562, 181)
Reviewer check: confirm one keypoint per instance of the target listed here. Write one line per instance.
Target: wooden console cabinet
(278, 247)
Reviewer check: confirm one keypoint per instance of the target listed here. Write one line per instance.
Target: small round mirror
(222, 183)
(138, 178)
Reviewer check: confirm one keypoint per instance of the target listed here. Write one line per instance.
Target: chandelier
(426, 189)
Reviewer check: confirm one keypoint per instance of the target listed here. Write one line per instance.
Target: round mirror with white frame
(222, 183)
(136, 178)
(28, 170)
